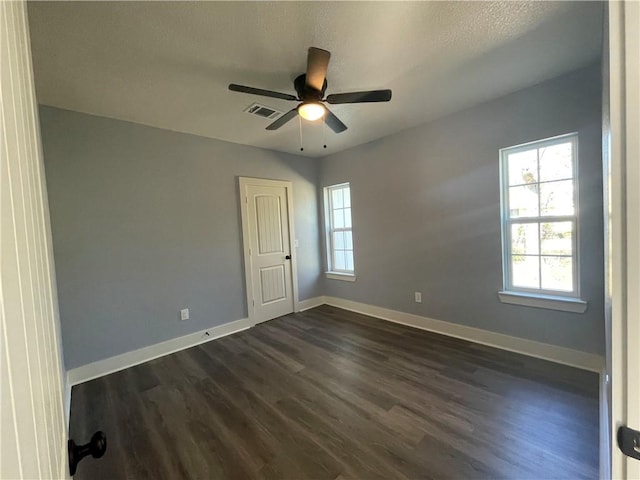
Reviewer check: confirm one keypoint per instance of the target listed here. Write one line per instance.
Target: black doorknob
(96, 448)
(288, 257)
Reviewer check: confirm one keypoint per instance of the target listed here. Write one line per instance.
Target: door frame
(622, 218)
(243, 183)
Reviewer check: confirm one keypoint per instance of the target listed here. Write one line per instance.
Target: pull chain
(300, 124)
(324, 142)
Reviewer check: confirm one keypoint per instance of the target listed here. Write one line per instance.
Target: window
(539, 218)
(339, 234)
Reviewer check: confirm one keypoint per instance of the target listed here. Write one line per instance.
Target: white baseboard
(120, 362)
(310, 303)
(109, 365)
(554, 353)
(545, 351)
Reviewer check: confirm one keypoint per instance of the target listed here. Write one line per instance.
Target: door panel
(272, 280)
(267, 227)
(268, 215)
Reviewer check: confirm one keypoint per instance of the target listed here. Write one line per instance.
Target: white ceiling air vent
(263, 111)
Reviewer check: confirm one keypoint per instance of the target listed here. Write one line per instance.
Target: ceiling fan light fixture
(310, 87)
(311, 111)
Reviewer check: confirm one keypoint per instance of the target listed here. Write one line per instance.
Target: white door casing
(33, 432)
(267, 227)
(623, 215)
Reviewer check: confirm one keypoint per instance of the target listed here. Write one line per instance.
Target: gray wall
(147, 221)
(426, 213)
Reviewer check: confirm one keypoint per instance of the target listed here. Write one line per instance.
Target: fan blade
(283, 119)
(333, 122)
(360, 97)
(317, 64)
(258, 91)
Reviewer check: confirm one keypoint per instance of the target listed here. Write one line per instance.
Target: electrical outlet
(418, 297)
(184, 314)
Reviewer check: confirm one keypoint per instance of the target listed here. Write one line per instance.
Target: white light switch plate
(184, 314)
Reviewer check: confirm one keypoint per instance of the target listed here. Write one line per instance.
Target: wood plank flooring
(330, 394)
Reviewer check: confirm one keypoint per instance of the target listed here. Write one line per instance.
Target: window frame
(509, 290)
(332, 272)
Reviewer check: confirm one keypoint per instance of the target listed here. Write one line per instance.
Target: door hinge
(253, 303)
(629, 442)
(249, 251)
(246, 199)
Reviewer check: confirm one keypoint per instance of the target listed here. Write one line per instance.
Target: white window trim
(344, 275)
(541, 298)
(551, 302)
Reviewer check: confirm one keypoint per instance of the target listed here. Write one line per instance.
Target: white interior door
(267, 241)
(624, 219)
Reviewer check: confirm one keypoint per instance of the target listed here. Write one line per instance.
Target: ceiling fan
(310, 87)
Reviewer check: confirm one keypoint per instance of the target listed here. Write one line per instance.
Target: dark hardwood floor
(329, 394)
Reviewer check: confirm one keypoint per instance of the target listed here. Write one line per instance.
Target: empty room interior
(314, 240)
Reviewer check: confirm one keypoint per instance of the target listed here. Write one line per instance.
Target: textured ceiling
(168, 64)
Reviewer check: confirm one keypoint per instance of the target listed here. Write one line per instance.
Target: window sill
(565, 304)
(345, 277)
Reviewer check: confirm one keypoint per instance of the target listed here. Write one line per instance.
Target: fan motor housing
(306, 93)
